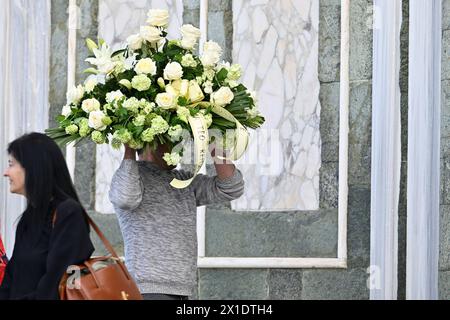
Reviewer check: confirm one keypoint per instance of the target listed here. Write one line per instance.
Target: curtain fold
(386, 149)
(24, 86)
(422, 253)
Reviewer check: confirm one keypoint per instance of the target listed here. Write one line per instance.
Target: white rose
(165, 100)
(135, 42)
(188, 43)
(158, 18)
(195, 92)
(212, 47)
(151, 34)
(190, 36)
(75, 94)
(66, 111)
(209, 59)
(114, 96)
(222, 97)
(145, 66)
(211, 53)
(90, 105)
(96, 120)
(188, 30)
(90, 83)
(173, 71)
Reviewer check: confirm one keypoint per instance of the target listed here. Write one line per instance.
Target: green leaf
(159, 57)
(91, 70)
(138, 131)
(193, 111)
(118, 52)
(183, 101)
(172, 52)
(222, 75)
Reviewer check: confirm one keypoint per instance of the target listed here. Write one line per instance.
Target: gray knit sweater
(158, 222)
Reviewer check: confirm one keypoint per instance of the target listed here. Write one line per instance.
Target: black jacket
(34, 271)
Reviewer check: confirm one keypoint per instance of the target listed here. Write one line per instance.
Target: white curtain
(24, 77)
(423, 149)
(386, 149)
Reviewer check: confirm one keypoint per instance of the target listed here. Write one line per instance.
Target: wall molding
(301, 262)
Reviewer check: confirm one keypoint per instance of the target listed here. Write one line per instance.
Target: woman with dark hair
(53, 231)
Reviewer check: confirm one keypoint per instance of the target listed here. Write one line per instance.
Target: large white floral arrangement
(154, 90)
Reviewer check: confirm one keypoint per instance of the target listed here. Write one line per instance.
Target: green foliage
(123, 118)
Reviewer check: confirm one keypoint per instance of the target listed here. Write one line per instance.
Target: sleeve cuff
(232, 180)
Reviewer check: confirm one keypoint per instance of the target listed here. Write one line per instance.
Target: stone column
(444, 221)
(85, 153)
(58, 59)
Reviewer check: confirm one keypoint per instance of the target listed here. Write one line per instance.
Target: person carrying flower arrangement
(158, 222)
(156, 96)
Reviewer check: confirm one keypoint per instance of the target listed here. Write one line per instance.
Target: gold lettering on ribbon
(201, 137)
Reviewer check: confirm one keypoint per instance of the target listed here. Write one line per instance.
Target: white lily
(102, 59)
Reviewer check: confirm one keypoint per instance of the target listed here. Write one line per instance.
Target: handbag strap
(102, 237)
(97, 230)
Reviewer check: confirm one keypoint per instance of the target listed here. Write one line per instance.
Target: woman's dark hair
(47, 178)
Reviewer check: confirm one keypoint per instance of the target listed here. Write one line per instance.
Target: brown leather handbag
(99, 278)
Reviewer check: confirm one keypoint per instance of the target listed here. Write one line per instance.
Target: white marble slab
(277, 45)
(117, 20)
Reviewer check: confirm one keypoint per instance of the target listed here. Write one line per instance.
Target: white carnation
(209, 74)
(172, 159)
(208, 85)
(175, 133)
(188, 61)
